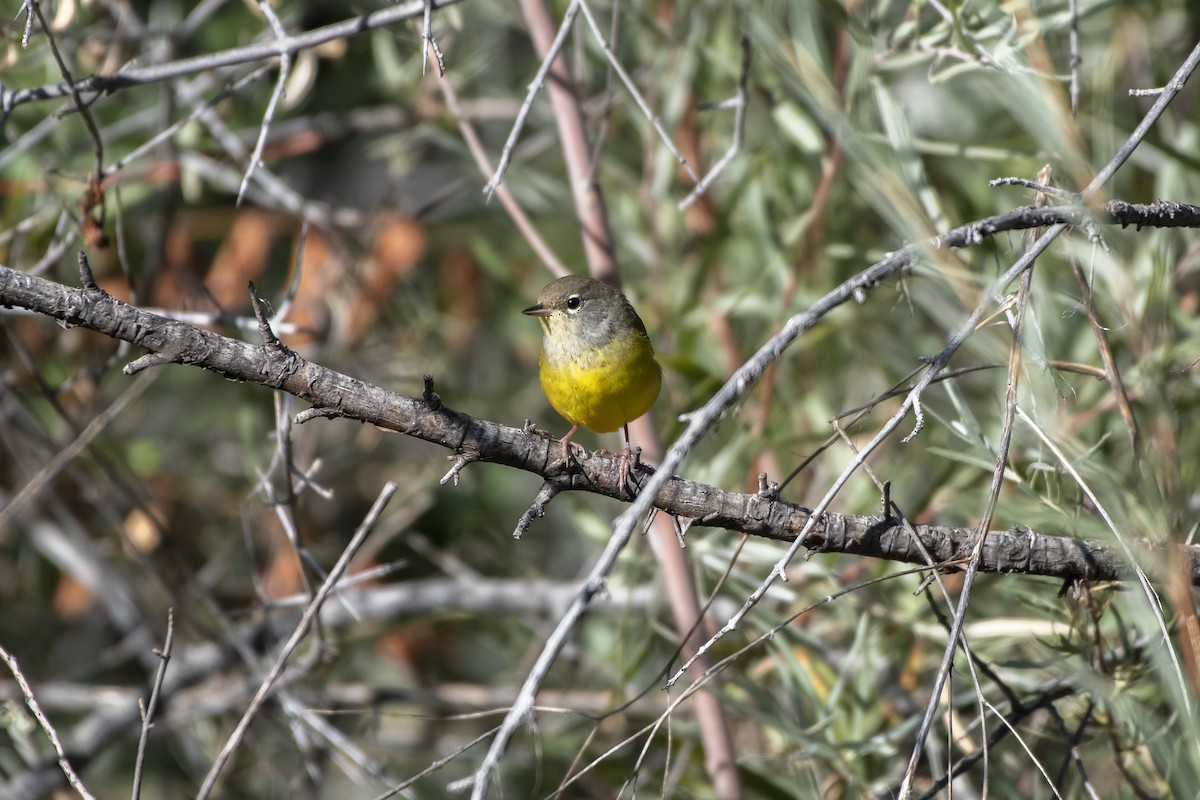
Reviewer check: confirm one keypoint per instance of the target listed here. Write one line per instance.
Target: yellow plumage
(614, 385)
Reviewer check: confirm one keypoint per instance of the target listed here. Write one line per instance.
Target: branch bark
(337, 395)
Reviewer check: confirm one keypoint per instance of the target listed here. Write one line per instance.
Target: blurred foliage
(869, 125)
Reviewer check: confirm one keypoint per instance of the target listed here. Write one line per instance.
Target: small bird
(597, 365)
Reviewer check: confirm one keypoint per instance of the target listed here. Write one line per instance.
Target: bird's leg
(566, 440)
(626, 456)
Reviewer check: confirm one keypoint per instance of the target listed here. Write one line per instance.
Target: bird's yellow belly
(612, 388)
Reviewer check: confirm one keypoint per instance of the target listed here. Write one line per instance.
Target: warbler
(597, 366)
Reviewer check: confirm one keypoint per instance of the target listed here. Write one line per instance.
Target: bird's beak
(538, 311)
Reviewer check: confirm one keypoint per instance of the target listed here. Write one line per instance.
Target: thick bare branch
(483, 440)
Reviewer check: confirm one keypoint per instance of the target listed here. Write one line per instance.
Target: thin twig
(95, 195)
(537, 508)
(738, 102)
(1111, 372)
(633, 90)
(426, 38)
(1036, 761)
(27, 8)
(428, 42)
(435, 766)
(514, 210)
(31, 702)
(148, 710)
(155, 73)
(1037, 187)
(298, 636)
(285, 66)
(179, 124)
(69, 451)
(73, 89)
(539, 80)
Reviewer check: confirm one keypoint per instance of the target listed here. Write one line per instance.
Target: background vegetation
(868, 125)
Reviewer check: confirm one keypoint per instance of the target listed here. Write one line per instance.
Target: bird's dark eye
(574, 302)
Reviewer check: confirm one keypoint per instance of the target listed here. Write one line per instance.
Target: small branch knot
(291, 360)
(767, 490)
(86, 279)
(432, 398)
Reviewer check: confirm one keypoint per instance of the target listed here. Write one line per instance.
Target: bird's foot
(630, 462)
(573, 453)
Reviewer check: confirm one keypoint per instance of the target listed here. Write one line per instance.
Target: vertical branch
(589, 203)
(720, 759)
(568, 114)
